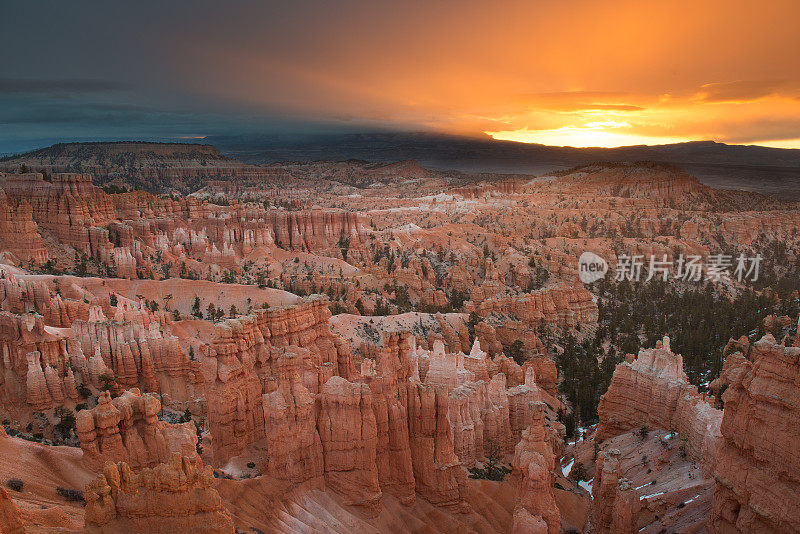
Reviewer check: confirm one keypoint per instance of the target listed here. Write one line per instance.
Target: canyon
(375, 347)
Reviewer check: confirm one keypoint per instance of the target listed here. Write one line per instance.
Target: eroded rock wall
(757, 484)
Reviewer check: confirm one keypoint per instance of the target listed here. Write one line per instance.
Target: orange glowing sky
(578, 73)
(558, 73)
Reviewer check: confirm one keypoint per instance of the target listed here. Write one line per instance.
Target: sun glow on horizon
(599, 134)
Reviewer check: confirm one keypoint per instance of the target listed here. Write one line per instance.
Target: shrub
(492, 469)
(578, 472)
(251, 465)
(15, 484)
(71, 494)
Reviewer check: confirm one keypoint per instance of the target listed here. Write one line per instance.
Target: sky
(566, 73)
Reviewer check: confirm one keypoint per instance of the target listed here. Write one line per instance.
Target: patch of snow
(441, 197)
(567, 468)
(586, 484)
(651, 495)
(692, 499)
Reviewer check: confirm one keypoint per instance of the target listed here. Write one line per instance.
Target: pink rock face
(654, 392)
(10, 518)
(248, 357)
(293, 444)
(127, 429)
(389, 390)
(533, 463)
(520, 399)
(81, 215)
(176, 496)
(34, 365)
(756, 475)
(616, 505)
(479, 419)
(69, 206)
(560, 306)
(349, 436)
(20, 232)
(134, 349)
(437, 470)
(525, 523)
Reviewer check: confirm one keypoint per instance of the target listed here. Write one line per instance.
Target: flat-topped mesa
(659, 183)
(176, 496)
(533, 466)
(654, 392)
(757, 486)
(127, 429)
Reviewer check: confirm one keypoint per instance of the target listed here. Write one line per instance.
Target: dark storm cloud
(155, 68)
(29, 86)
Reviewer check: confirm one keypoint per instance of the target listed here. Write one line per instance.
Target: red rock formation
(560, 305)
(437, 470)
(127, 429)
(520, 399)
(615, 506)
(349, 436)
(35, 364)
(244, 354)
(394, 369)
(20, 232)
(533, 464)
(69, 206)
(136, 352)
(661, 183)
(177, 496)
(10, 518)
(293, 444)
(654, 392)
(525, 523)
(479, 419)
(757, 482)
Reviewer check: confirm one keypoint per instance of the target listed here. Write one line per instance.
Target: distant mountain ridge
(188, 166)
(156, 167)
(773, 171)
(426, 147)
